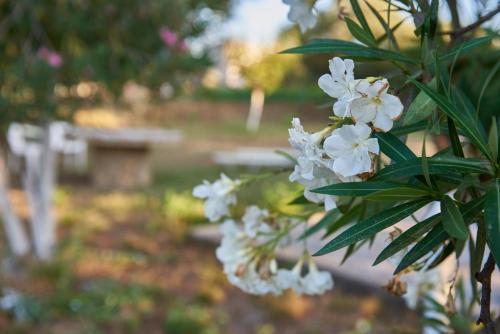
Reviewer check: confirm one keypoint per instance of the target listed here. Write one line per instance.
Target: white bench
(254, 157)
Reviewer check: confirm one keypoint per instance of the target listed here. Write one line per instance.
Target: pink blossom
(52, 58)
(168, 36)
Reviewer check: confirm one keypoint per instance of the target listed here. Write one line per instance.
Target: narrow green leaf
(324, 222)
(493, 139)
(299, 200)
(438, 235)
(394, 148)
(408, 237)
(384, 24)
(350, 216)
(444, 253)
(350, 49)
(369, 227)
(469, 126)
(435, 237)
(486, 84)
(466, 47)
(421, 107)
(456, 145)
(393, 30)
(425, 163)
(361, 18)
(440, 165)
(365, 188)
(403, 130)
(453, 221)
(492, 219)
(401, 193)
(465, 107)
(358, 33)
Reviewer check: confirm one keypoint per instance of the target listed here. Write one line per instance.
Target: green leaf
(492, 219)
(358, 33)
(393, 30)
(492, 73)
(361, 18)
(400, 193)
(350, 49)
(466, 47)
(299, 200)
(455, 140)
(493, 139)
(470, 126)
(327, 219)
(394, 148)
(369, 227)
(387, 28)
(363, 188)
(438, 235)
(453, 221)
(421, 107)
(439, 165)
(408, 237)
(425, 163)
(403, 130)
(353, 214)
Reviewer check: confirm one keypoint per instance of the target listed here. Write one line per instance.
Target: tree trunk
(256, 108)
(15, 234)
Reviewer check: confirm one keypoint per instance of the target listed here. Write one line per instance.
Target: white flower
(340, 84)
(287, 279)
(316, 282)
(219, 195)
(302, 13)
(233, 249)
(323, 177)
(253, 220)
(350, 147)
(376, 105)
(303, 141)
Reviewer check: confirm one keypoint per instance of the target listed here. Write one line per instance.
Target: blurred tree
(49, 47)
(263, 70)
(58, 54)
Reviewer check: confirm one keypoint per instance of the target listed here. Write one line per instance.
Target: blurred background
(115, 110)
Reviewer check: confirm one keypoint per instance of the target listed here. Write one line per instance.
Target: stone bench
(254, 157)
(121, 158)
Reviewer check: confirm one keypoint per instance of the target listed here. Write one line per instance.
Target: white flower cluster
(303, 13)
(248, 256)
(343, 153)
(219, 196)
(248, 250)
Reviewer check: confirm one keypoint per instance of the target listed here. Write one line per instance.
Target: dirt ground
(120, 269)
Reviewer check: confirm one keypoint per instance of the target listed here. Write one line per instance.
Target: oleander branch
(484, 277)
(482, 19)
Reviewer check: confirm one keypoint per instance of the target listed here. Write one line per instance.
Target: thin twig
(470, 27)
(484, 277)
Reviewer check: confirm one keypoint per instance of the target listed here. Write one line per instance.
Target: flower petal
(347, 165)
(363, 110)
(383, 122)
(327, 83)
(391, 106)
(341, 108)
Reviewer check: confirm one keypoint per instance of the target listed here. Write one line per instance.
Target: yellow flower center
(377, 100)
